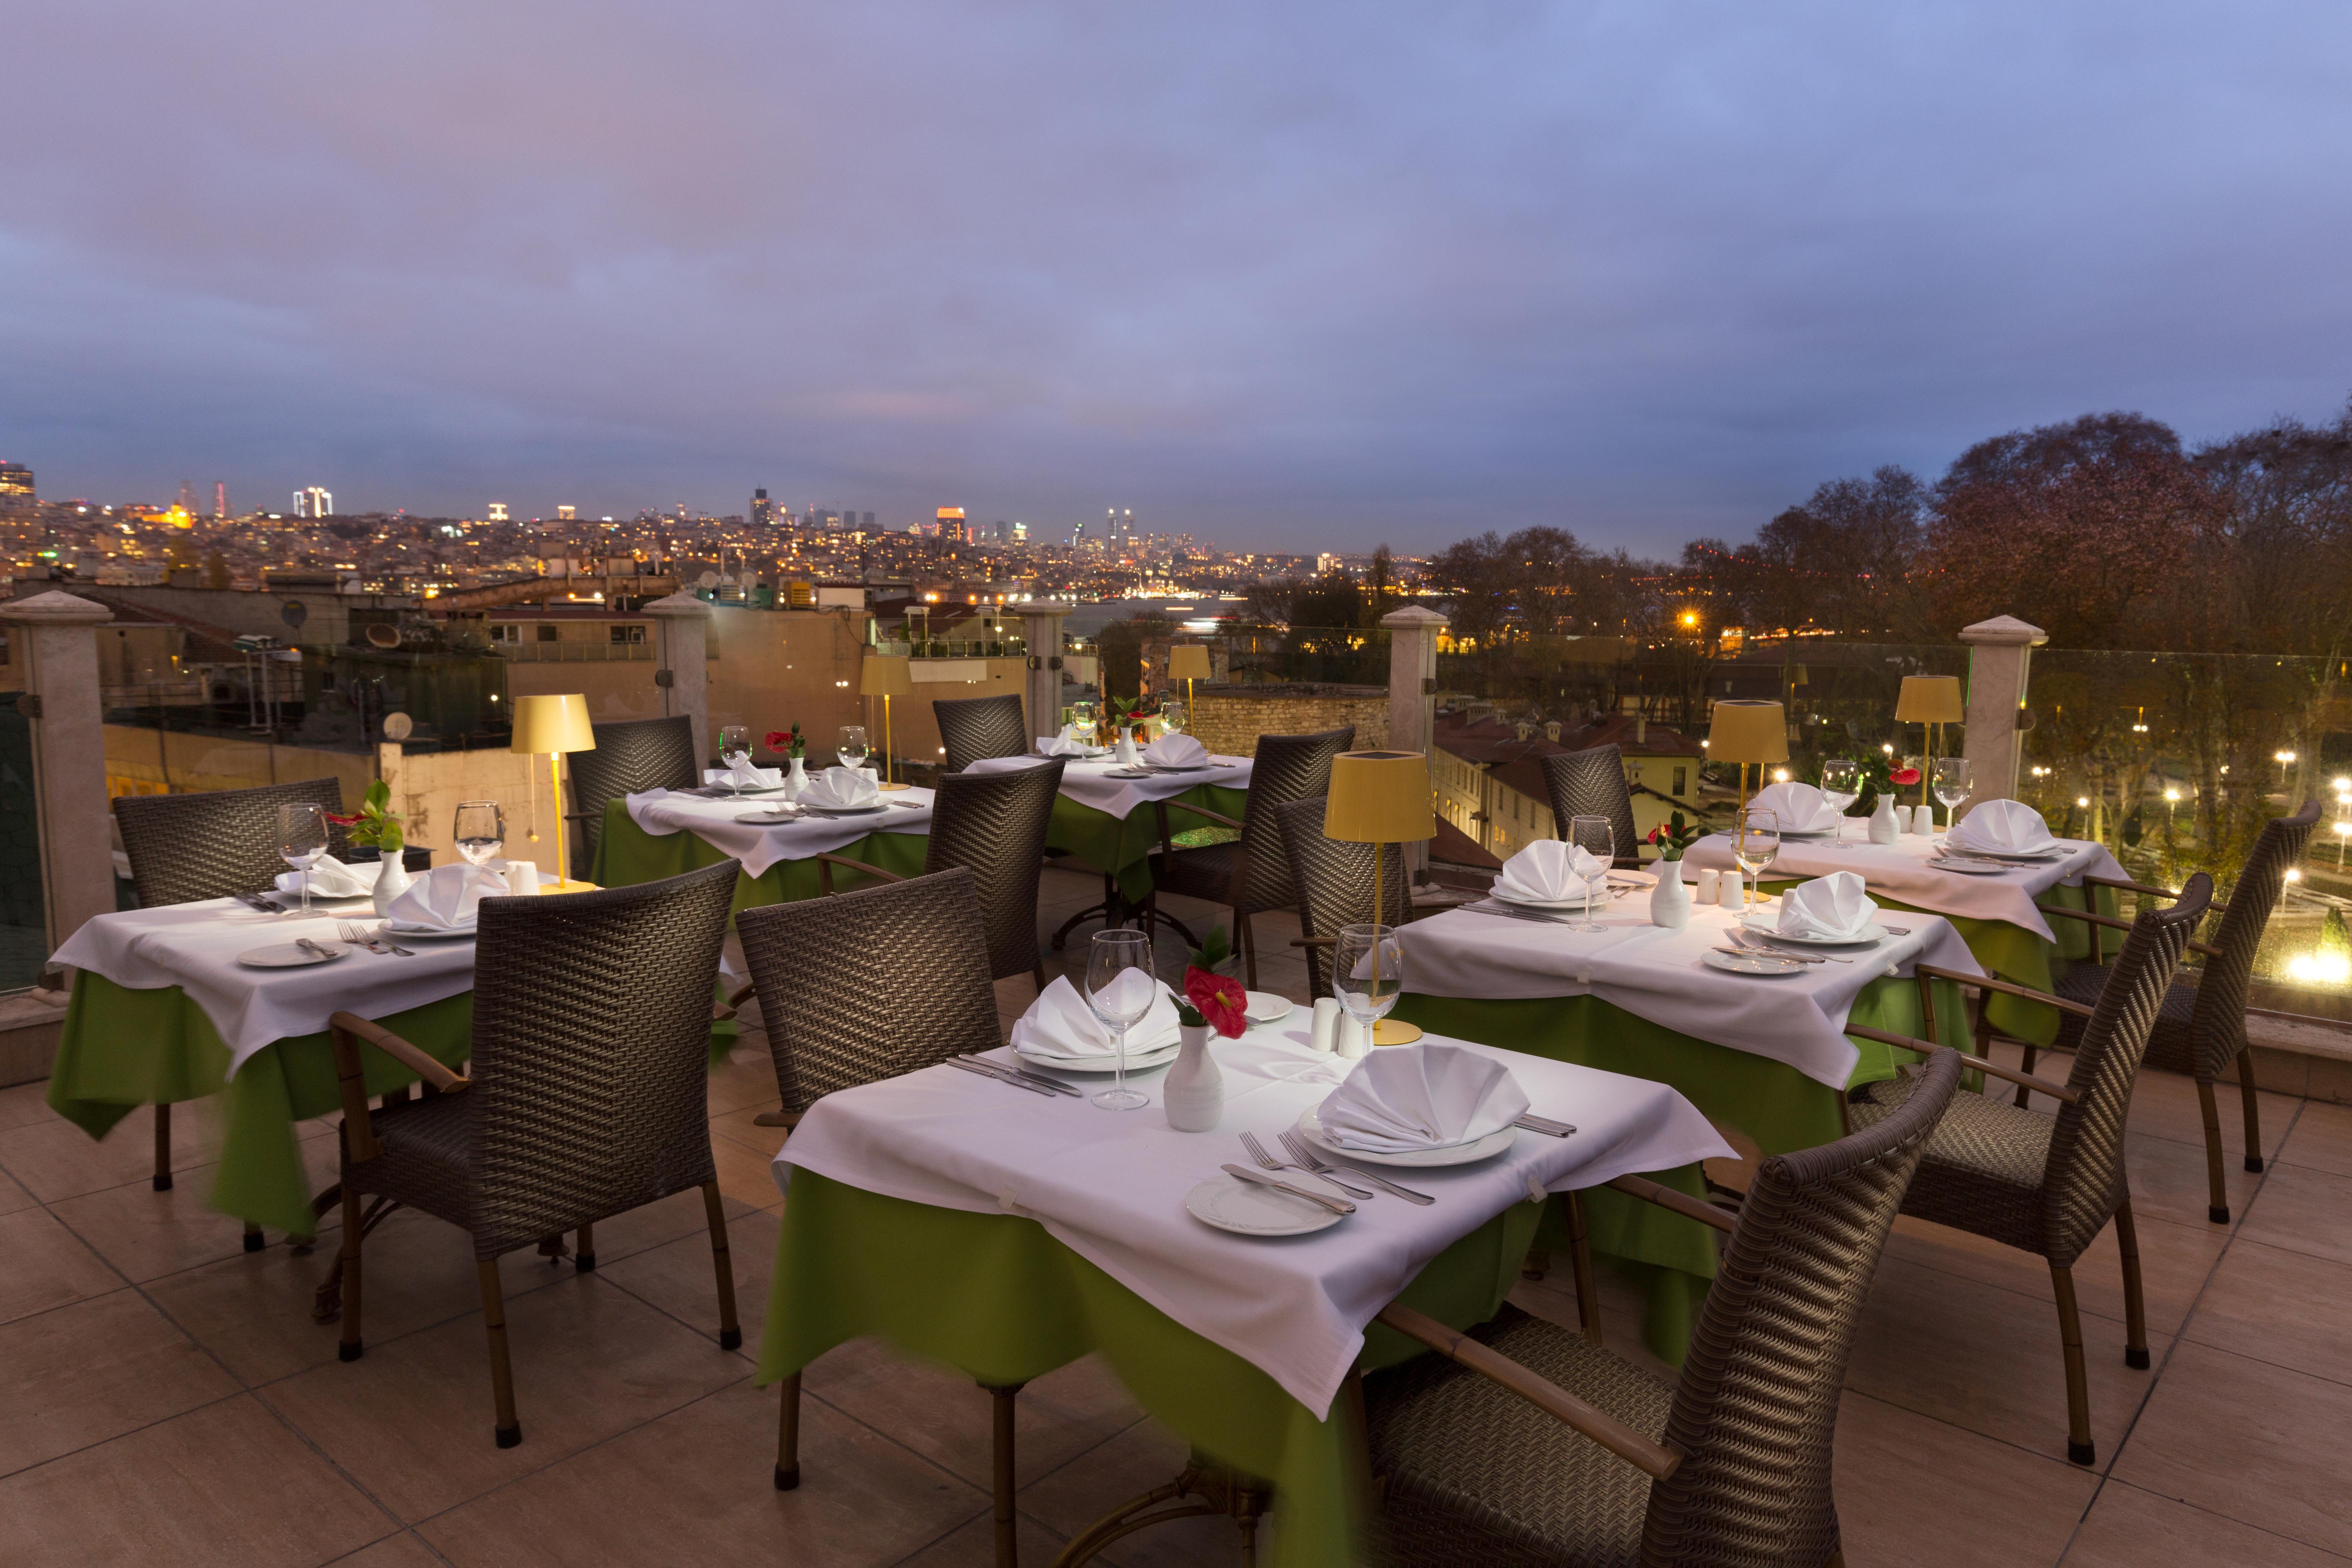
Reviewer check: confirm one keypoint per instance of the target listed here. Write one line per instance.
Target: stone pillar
(684, 623)
(1041, 625)
(1412, 695)
(1999, 653)
(57, 648)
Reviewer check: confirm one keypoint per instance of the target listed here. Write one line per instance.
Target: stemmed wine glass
(1596, 837)
(1368, 973)
(1842, 784)
(734, 745)
(1756, 842)
(1171, 717)
(1950, 783)
(851, 747)
(1081, 715)
(1122, 986)
(301, 839)
(479, 831)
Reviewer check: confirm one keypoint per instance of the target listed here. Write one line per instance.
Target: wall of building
(1230, 719)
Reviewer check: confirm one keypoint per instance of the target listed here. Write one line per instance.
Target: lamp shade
(885, 675)
(553, 724)
(1379, 797)
(1747, 732)
(1188, 661)
(1930, 700)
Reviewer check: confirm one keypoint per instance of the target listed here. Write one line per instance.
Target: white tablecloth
(1658, 974)
(1090, 783)
(759, 847)
(1111, 1184)
(194, 946)
(1901, 871)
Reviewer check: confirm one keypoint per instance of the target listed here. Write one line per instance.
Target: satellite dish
(398, 726)
(382, 635)
(295, 612)
(708, 579)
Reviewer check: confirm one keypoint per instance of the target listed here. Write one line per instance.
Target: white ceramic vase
(1125, 752)
(392, 880)
(1670, 900)
(796, 779)
(1193, 1092)
(1883, 826)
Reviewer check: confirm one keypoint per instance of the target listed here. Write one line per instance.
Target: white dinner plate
(1310, 1127)
(1572, 904)
(874, 810)
(1137, 1061)
(1246, 1208)
(426, 933)
(768, 819)
(1265, 1006)
(1753, 962)
(1971, 867)
(1877, 934)
(2038, 858)
(285, 955)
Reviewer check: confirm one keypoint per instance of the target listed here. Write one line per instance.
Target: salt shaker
(1350, 1041)
(1324, 1035)
(1710, 886)
(1730, 888)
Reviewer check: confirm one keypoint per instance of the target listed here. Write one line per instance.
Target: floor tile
(2128, 1528)
(2302, 1210)
(13, 1196)
(658, 1223)
(748, 1078)
(48, 1266)
(228, 1484)
(23, 1103)
(2175, 1261)
(974, 1545)
(677, 1277)
(2285, 1307)
(2169, 1181)
(402, 1550)
(412, 1420)
(743, 1128)
(745, 1176)
(147, 1234)
(55, 1159)
(2165, 1105)
(1145, 1455)
(2286, 1435)
(2322, 1140)
(2014, 1507)
(91, 1371)
(695, 1487)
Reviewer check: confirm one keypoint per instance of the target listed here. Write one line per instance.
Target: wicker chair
(1251, 873)
(1591, 782)
(2046, 1184)
(1730, 1464)
(586, 1097)
(1335, 886)
(866, 986)
(629, 759)
(972, 728)
(2201, 1028)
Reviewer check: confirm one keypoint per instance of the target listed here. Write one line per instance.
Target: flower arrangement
(374, 825)
(1211, 998)
(791, 742)
(1674, 835)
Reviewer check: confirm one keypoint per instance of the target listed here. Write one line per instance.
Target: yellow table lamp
(1189, 662)
(885, 675)
(1380, 798)
(1930, 701)
(1744, 732)
(555, 725)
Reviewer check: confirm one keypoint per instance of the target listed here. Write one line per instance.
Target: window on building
(1682, 779)
(632, 635)
(548, 632)
(504, 631)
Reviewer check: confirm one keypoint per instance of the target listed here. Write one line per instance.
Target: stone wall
(1230, 718)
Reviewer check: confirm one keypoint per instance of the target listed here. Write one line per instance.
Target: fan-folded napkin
(1828, 907)
(1549, 871)
(1060, 1024)
(841, 789)
(740, 773)
(1176, 752)
(1065, 744)
(1428, 1096)
(330, 878)
(1797, 807)
(2003, 826)
(445, 897)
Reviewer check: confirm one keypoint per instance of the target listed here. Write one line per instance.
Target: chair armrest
(723, 1011)
(1667, 1197)
(1218, 817)
(826, 863)
(1314, 941)
(1987, 983)
(2113, 923)
(345, 1031)
(1994, 1069)
(1645, 1454)
(2125, 886)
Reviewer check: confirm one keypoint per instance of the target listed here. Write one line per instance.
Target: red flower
(779, 738)
(1657, 833)
(342, 821)
(1220, 998)
(1903, 776)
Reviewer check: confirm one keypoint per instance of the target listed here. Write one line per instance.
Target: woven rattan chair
(587, 1099)
(1251, 873)
(1528, 1445)
(973, 728)
(1335, 886)
(871, 986)
(1591, 782)
(2048, 1185)
(2201, 1029)
(629, 759)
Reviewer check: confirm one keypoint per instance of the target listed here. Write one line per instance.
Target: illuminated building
(16, 487)
(763, 511)
(313, 500)
(951, 525)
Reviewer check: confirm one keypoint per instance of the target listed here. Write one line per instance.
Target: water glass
(1842, 786)
(1171, 717)
(734, 745)
(1596, 838)
(1122, 986)
(1950, 783)
(850, 747)
(1756, 843)
(479, 831)
(301, 839)
(1368, 972)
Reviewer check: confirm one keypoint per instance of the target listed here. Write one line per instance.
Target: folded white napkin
(1065, 744)
(1427, 1096)
(839, 789)
(2003, 826)
(1176, 752)
(330, 878)
(1828, 907)
(445, 897)
(740, 773)
(1060, 1024)
(1549, 871)
(1798, 807)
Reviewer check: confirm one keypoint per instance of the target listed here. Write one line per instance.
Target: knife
(1055, 1084)
(1535, 1124)
(1337, 1205)
(999, 1076)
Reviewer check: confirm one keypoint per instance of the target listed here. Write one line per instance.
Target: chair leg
(584, 1249)
(2027, 1057)
(253, 1241)
(494, 1320)
(788, 1434)
(2135, 1297)
(2253, 1110)
(2078, 1381)
(1588, 1289)
(354, 1237)
(730, 1333)
(1249, 948)
(1152, 918)
(163, 1147)
(1008, 1552)
(2217, 1204)
(1037, 972)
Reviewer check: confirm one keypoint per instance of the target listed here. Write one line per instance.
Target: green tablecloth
(997, 1297)
(627, 854)
(1121, 846)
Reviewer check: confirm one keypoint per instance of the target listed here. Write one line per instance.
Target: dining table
(1008, 1233)
(1098, 815)
(663, 833)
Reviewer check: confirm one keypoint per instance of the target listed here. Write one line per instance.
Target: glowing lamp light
(2320, 968)
(2082, 802)
(2281, 758)
(1780, 775)
(1888, 750)
(2172, 798)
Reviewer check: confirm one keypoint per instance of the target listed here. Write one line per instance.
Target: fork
(1257, 1152)
(374, 943)
(1766, 944)
(1308, 1160)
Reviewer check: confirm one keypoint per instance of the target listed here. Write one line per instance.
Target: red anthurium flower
(779, 738)
(1220, 998)
(342, 821)
(1657, 833)
(1905, 777)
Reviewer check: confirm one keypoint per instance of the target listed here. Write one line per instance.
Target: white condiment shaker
(1710, 885)
(1324, 1035)
(1350, 1041)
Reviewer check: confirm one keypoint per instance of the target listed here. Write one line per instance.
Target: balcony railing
(574, 652)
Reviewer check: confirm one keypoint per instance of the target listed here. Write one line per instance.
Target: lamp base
(891, 786)
(567, 886)
(1389, 1031)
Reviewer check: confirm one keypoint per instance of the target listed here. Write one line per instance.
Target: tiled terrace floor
(164, 1398)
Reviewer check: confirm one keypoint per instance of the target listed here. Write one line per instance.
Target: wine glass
(734, 745)
(1368, 973)
(851, 749)
(480, 830)
(1950, 783)
(1596, 837)
(301, 839)
(1842, 784)
(1120, 988)
(1756, 843)
(1171, 717)
(1081, 715)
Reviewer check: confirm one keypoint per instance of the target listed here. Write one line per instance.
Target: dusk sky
(1300, 275)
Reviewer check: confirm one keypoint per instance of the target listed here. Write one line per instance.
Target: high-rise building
(187, 501)
(763, 511)
(1326, 564)
(497, 511)
(313, 500)
(564, 513)
(220, 498)
(1015, 533)
(870, 520)
(951, 525)
(16, 487)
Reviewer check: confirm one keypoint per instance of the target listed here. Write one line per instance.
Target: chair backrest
(629, 759)
(1755, 1412)
(1591, 782)
(871, 985)
(1283, 769)
(183, 847)
(2084, 1181)
(591, 1041)
(1335, 883)
(994, 825)
(972, 728)
(2216, 1030)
